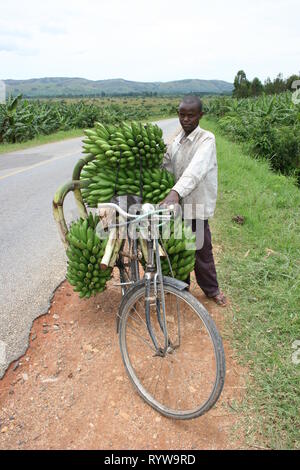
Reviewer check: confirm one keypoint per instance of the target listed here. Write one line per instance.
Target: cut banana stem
(76, 177)
(143, 244)
(80, 164)
(121, 235)
(108, 249)
(115, 252)
(78, 198)
(58, 210)
(162, 254)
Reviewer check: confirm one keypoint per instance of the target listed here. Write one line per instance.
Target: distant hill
(52, 87)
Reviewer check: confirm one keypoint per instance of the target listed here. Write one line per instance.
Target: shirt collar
(191, 136)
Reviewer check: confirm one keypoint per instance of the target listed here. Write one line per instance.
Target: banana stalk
(121, 235)
(143, 244)
(76, 177)
(109, 249)
(58, 210)
(115, 252)
(162, 254)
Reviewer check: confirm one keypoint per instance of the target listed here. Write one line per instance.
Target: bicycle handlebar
(125, 214)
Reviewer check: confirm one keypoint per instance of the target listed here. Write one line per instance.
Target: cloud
(53, 29)
(17, 47)
(7, 47)
(156, 41)
(14, 33)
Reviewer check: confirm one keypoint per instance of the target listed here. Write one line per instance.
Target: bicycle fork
(168, 346)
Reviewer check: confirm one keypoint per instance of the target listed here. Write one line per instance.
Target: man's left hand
(171, 198)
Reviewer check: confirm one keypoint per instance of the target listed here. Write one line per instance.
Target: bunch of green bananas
(180, 247)
(125, 145)
(102, 186)
(85, 251)
(119, 154)
(156, 183)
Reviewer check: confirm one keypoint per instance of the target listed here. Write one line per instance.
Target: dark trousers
(205, 270)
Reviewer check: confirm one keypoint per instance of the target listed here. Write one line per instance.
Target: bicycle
(170, 346)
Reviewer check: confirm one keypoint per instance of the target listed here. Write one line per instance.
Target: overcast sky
(153, 40)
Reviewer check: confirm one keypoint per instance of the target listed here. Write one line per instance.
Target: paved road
(32, 258)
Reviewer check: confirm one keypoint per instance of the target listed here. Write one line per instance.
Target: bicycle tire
(137, 293)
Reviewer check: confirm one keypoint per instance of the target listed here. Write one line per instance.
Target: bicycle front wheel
(188, 380)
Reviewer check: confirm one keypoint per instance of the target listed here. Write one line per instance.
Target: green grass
(264, 287)
(60, 135)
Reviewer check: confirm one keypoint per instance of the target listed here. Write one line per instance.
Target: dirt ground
(70, 390)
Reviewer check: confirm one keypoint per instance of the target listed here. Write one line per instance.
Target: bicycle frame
(153, 276)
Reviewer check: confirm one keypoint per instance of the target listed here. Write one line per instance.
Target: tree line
(244, 88)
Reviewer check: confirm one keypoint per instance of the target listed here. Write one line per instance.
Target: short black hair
(193, 99)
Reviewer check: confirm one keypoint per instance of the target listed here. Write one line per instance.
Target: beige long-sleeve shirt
(193, 161)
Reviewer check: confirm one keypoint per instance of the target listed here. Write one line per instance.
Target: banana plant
(8, 119)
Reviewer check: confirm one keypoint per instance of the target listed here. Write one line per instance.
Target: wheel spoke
(184, 382)
(142, 321)
(141, 338)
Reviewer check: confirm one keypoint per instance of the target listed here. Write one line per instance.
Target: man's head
(190, 112)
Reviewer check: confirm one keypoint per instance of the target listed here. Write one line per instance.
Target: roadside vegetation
(259, 268)
(269, 126)
(24, 120)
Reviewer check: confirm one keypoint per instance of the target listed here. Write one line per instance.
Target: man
(191, 157)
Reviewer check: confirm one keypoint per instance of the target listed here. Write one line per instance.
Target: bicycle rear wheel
(188, 380)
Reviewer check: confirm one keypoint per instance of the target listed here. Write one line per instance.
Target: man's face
(189, 116)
